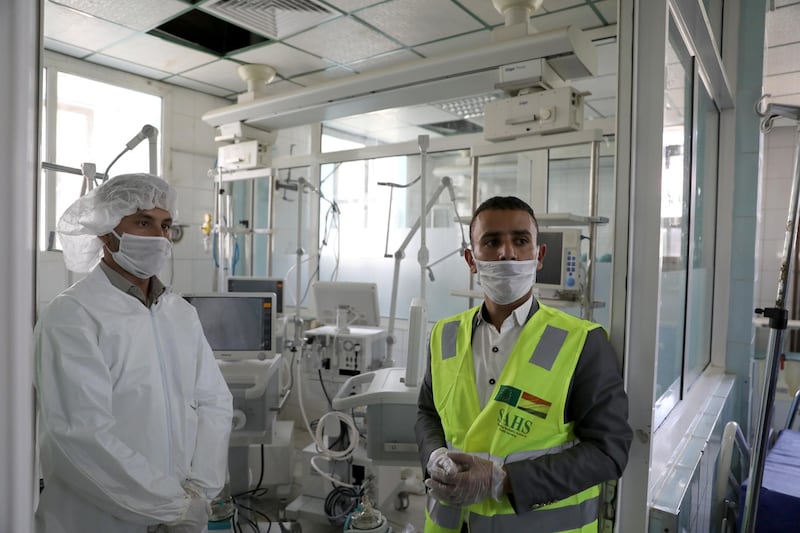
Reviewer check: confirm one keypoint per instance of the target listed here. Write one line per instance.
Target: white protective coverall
(131, 404)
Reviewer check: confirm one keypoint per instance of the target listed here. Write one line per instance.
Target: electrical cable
(258, 491)
(260, 513)
(399, 185)
(105, 174)
(324, 390)
(289, 294)
(340, 503)
(319, 440)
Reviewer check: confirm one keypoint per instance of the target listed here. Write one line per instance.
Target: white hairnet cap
(102, 209)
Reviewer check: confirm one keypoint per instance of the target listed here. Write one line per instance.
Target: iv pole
(778, 319)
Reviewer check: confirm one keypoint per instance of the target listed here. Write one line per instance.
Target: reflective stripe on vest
(516, 456)
(444, 516)
(572, 517)
(449, 334)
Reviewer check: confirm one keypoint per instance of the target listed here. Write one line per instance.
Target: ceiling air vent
(271, 18)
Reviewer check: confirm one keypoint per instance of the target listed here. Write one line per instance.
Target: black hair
(502, 203)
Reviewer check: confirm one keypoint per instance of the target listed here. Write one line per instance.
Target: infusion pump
(341, 353)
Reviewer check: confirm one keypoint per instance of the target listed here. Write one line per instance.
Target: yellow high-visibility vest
(523, 420)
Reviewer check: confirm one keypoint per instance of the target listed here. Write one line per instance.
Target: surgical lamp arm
(446, 183)
(147, 132)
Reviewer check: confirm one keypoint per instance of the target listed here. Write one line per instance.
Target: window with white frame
(688, 214)
(88, 122)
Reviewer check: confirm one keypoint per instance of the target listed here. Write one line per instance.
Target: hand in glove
(476, 480)
(440, 465)
(195, 519)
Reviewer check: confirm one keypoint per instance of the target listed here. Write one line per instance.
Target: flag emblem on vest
(526, 401)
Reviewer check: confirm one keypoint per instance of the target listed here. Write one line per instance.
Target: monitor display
(253, 284)
(360, 300)
(560, 269)
(237, 325)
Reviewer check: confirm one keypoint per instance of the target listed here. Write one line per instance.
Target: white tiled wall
(189, 152)
(776, 185)
(775, 194)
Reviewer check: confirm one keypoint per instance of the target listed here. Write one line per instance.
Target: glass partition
(675, 201)
(702, 238)
(371, 212)
(568, 179)
(286, 239)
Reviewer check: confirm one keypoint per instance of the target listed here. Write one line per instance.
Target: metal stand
(778, 317)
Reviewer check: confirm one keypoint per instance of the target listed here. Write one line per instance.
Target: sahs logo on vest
(511, 421)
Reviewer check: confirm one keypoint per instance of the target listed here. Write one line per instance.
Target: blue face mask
(505, 282)
(143, 257)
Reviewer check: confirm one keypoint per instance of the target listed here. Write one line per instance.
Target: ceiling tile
(484, 10)
(556, 5)
(386, 60)
(221, 73)
(456, 44)
(138, 15)
(352, 5)
(78, 29)
(419, 21)
(375, 121)
(782, 25)
(423, 114)
(403, 134)
(608, 8)
(343, 41)
(606, 59)
(607, 107)
(127, 66)
(198, 86)
(782, 84)
(287, 61)
(159, 54)
(323, 76)
(582, 17)
(600, 87)
(590, 113)
(782, 59)
(64, 48)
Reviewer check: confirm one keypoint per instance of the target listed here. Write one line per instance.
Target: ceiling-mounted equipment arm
(445, 184)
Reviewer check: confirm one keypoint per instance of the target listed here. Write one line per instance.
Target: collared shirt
(118, 280)
(491, 348)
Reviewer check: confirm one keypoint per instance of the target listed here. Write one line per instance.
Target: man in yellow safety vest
(522, 413)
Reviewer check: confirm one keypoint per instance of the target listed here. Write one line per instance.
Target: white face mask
(143, 257)
(505, 282)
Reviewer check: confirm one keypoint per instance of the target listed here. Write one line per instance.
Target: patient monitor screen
(550, 274)
(235, 323)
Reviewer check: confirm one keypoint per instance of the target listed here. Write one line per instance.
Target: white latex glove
(475, 480)
(192, 488)
(440, 466)
(195, 519)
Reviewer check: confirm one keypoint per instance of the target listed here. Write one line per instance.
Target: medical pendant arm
(399, 255)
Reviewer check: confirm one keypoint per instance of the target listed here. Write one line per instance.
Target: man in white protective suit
(134, 415)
